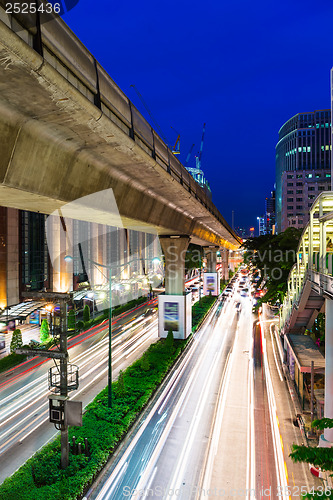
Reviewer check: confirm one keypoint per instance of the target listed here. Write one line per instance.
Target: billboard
(171, 316)
(211, 285)
(174, 313)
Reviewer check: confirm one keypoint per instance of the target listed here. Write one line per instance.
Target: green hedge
(10, 361)
(200, 309)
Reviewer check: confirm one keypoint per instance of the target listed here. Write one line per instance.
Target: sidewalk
(287, 406)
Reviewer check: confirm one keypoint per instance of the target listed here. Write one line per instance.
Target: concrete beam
(57, 146)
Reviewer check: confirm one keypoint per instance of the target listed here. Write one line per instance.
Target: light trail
(281, 468)
(17, 403)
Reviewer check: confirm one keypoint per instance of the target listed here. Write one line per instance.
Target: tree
(320, 457)
(273, 256)
(193, 257)
(44, 331)
(86, 313)
(71, 320)
(16, 340)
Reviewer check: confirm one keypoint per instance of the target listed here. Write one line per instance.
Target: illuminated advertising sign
(175, 314)
(171, 316)
(211, 284)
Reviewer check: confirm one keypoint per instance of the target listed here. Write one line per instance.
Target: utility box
(64, 412)
(73, 410)
(57, 409)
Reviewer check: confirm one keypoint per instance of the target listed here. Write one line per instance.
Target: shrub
(71, 320)
(169, 341)
(145, 365)
(86, 313)
(44, 331)
(80, 325)
(16, 340)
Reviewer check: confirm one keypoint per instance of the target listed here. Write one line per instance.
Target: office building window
(311, 188)
(290, 192)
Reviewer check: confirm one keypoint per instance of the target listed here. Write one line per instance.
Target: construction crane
(176, 148)
(198, 158)
(189, 155)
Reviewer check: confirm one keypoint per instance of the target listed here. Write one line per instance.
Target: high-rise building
(270, 213)
(261, 225)
(303, 169)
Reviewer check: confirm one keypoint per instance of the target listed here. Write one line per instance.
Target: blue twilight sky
(243, 67)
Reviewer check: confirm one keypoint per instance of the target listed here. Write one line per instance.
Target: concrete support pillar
(327, 439)
(174, 306)
(225, 264)
(13, 296)
(94, 270)
(55, 252)
(59, 242)
(9, 256)
(66, 263)
(174, 250)
(210, 254)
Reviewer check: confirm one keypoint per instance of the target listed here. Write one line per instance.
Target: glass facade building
(303, 166)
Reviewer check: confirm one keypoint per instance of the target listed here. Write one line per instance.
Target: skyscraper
(270, 213)
(302, 166)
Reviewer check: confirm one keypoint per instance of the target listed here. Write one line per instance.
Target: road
(214, 429)
(169, 451)
(24, 425)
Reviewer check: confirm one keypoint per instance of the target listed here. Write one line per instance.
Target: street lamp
(109, 268)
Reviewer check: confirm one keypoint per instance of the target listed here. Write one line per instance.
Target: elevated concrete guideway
(68, 131)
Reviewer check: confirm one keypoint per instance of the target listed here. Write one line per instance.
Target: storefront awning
(21, 311)
(304, 351)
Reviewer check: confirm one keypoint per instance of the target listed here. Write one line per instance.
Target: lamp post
(109, 268)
